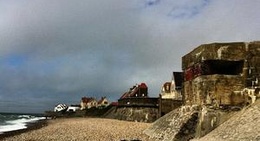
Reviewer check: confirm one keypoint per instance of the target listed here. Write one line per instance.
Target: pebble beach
(85, 129)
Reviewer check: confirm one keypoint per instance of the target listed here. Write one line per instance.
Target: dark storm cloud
(58, 51)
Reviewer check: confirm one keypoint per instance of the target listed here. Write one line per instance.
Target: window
(222, 67)
(167, 87)
(210, 67)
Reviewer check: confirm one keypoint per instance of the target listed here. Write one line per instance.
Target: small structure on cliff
(137, 90)
(60, 108)
(136, 105)
(73, 108)
(88, 102)
(103, 102)
(137, 96)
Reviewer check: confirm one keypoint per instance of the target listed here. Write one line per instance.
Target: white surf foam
(18, 124)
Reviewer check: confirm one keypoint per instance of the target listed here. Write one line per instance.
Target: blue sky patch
(151, 2)
(15, 60)
(188, 11)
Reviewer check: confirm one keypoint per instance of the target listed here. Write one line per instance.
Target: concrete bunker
(218, 79)
(216, 74)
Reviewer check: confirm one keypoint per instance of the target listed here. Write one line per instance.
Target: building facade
(172, 89)
(170, 97)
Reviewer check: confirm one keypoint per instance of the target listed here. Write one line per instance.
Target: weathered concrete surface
(179, 124)
(223, 51)
(188, 122)
(212, 89)
(213, 73)
(210, 118)
(167, 105)
(216, 77)
(244, 126)
(138, 114)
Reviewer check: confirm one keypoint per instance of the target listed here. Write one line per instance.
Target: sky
(57, 51)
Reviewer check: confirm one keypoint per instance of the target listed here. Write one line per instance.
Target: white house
(60, 107)
(73, 108)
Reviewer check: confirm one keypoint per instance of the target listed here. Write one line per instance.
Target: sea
(16, 121)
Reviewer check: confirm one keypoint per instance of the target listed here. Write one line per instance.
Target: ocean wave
(6, 128)
(25, 116)
(19, 123)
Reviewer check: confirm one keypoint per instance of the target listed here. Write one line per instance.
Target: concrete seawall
(180, 124)
(138, 114)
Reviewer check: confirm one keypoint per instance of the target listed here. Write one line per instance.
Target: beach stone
(85, 129)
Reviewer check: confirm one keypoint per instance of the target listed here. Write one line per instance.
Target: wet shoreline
(29, 126)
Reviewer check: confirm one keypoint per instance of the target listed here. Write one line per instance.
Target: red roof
(114, 103)
(124, 95)
(87, 99)
(133, 90)
(129, 93)
(101, 100)
(143, 85)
